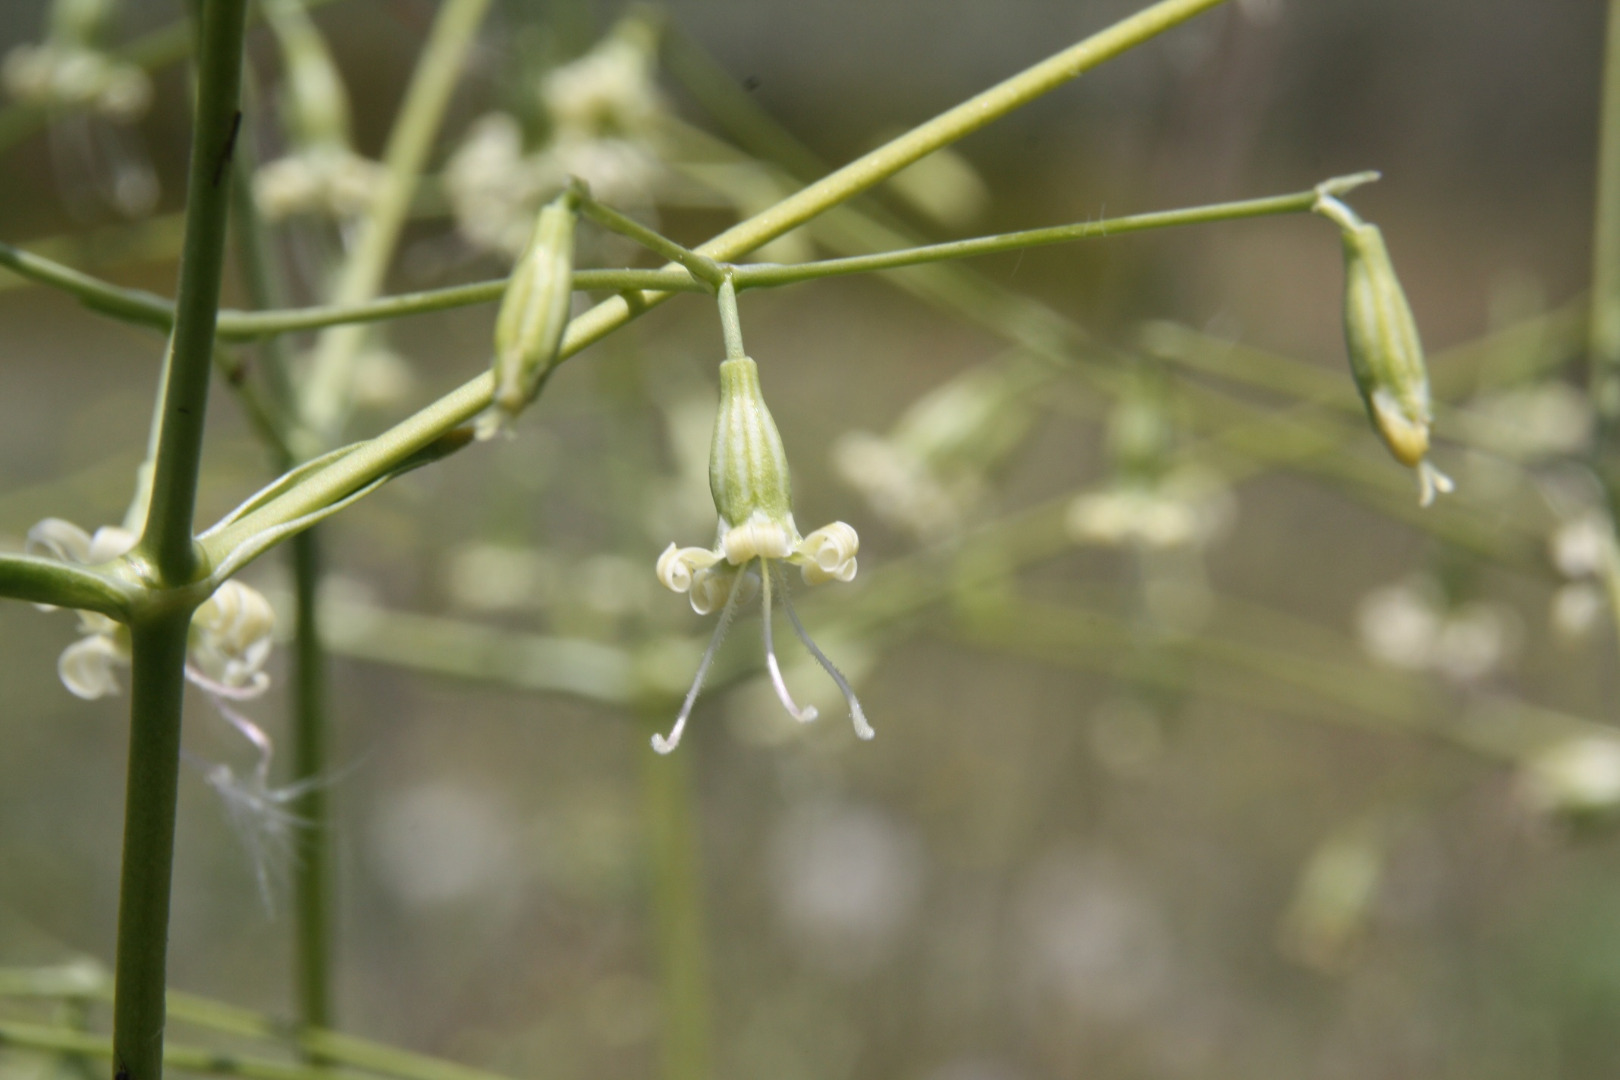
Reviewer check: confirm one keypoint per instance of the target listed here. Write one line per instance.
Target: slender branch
(701, 267)
(326, 393)
(763, 275)
(131, 305)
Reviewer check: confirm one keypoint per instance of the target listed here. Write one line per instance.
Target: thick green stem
(158, 682)
(167, 539)
(312, 884)
(326, 395)
(677, 904)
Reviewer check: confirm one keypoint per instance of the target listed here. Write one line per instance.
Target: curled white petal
(712, 588)
(88, 667)
(678, 567)
(58, 539)
(759, 537)
(828, 554)
(231, 637)
(110, 542)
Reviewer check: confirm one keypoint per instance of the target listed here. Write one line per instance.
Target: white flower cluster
(66, 75)
(231, 632)
(1410, 626)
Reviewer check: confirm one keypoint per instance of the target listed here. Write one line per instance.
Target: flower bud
(748, 471)
(534, 310)
(1386, 356)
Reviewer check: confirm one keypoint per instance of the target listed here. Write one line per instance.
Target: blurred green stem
(677, 907)
(1604, 333)
(327, 390)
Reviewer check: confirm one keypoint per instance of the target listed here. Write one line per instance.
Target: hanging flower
(748, 477)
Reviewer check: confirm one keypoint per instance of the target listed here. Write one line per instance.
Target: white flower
(748, 477)
(1409, 626)
(231, 640)
(89, 666)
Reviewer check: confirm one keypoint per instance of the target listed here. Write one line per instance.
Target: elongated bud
(748, 470)
(1386, 355)
(534, 311)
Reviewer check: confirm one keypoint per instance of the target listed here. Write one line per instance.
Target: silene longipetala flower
(748, 477)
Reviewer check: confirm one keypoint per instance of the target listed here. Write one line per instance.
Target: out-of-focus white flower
(846, 881)
(1094, 942)
(1187, 507)
(1576, 609)
(930, 472)
(1577, 779)
(68, 75)
(1532, 423)
(610, 90)
(327, 178)
(1409, 626)
(1580, 546)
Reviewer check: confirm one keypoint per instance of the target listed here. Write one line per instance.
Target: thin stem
(759, 275)
(326, 396)
(312, 865)
(167, 539)
(676, 900)
(730, 323)
(158, 682)
(701, 267)
(1604, 329)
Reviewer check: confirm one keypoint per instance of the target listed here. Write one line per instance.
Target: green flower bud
(748, 470)
(1386, 356)
(534, 310)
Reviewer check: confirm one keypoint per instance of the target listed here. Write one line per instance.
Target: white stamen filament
(665, 743)
(863, 730)
(809, 712)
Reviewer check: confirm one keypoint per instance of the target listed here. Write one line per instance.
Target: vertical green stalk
(311, 862)
(677, 909)
(1604, 328)
(312, 880)
(326, 395)
(158, 634)
(149, 803)
(167, 539)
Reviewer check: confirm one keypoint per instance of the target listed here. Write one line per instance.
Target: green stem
(159, 657)
(312, 883)
(326, 393)
(677, 906)
(730, 323)
(699, 266)
(766, 275)
(167, 539)
(1604, 331)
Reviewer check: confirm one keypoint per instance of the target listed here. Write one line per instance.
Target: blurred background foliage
(1201, 752)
